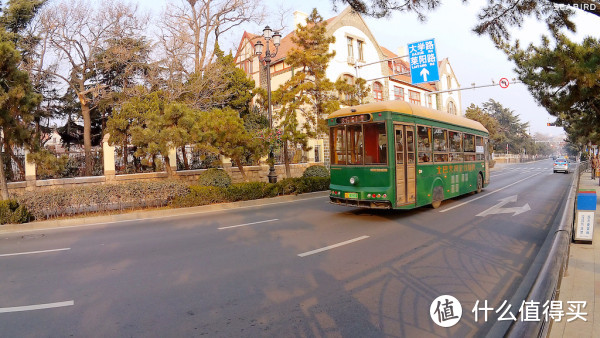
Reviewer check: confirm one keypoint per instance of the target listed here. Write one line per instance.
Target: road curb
(153, 214)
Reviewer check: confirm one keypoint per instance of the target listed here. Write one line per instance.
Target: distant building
(387, 74)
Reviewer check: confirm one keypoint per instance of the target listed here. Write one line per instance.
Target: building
(358, 54)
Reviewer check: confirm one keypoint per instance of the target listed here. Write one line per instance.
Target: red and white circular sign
(504, 82)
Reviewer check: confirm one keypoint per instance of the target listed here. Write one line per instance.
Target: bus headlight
(353, 180)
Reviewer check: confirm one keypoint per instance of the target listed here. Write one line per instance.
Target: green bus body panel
(455, 178)
(369, 182)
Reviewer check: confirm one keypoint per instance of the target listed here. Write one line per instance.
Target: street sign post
(423, 62)
(504, 83)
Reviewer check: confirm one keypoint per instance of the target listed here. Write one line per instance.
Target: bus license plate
(351, 195)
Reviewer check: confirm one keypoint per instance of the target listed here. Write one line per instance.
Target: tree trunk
(3, 183)
(186, 165)
(240, 166)
(168, 166)
(125, 155)
(87, 136)
(286, 160)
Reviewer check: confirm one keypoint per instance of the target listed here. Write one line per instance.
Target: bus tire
(479, 183)
(438, 197)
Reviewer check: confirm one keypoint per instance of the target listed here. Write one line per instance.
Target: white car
(561, 164)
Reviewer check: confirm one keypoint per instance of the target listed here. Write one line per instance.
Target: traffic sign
(423, 61)
(504, 82)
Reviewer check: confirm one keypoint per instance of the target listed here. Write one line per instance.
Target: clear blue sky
(473, 58)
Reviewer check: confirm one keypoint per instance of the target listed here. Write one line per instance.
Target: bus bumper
(360, 203)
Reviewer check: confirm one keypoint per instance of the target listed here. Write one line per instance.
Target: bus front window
(375, 143)
(355, 144)
(338, 145)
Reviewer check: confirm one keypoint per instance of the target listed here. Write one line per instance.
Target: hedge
(94, 198)
(202, 195)
(105, 197)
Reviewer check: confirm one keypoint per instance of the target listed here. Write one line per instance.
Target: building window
(377, 91)
(398, 93)
(449, 81)
(429, 101)
(414, 97)
(350, 49)
(451, 108)
(360, 50)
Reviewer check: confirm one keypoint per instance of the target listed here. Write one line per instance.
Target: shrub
(248, 191)
(13, 213)
(316, 171)
(93, 198)
(203, 195)
(214, 178)
(200, 195)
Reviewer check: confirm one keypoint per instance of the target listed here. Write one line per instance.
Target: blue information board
(423, 62)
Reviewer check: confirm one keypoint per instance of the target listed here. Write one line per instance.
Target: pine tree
(309, 91)
(564, 79)
(17, 97)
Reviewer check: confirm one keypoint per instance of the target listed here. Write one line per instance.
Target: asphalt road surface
(285, 269)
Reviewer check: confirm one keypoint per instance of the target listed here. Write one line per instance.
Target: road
(290, 269)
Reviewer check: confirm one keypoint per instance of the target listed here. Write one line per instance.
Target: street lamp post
(258, 48)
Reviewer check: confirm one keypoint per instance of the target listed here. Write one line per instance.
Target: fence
(14, 167)
(109, 167)
(136, 164)
(73, 165)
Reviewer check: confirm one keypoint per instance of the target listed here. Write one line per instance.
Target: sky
(474, 58)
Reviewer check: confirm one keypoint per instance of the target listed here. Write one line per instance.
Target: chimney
(300, 18)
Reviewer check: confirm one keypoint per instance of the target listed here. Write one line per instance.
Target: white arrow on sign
(424, 74)
(498, 208)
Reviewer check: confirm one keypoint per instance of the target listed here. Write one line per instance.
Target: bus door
(405, 164)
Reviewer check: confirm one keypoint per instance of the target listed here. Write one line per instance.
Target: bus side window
(424, 143)
(440, 145)
(469, 147)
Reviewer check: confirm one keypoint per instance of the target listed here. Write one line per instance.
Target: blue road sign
(423, 62)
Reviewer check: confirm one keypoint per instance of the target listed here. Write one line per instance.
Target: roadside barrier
(552, 262)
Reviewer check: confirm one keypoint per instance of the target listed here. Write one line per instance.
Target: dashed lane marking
(308, 253)
(36, 307)
(33, 252)
(245, 224)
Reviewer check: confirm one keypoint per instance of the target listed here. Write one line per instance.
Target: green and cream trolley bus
(397, 155)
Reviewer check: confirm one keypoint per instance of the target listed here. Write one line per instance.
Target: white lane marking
(491, 192)
(243, 225)
(36, 307)
(171, 216)
(332, 246)
(33, 252)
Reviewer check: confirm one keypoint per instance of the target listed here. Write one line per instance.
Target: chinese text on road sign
(423, 62)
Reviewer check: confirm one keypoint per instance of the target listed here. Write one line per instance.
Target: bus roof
(409, 109)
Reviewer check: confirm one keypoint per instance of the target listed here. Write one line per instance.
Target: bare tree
(198, 24)
(77, 31)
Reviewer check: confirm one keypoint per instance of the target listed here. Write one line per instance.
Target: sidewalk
(581, 281)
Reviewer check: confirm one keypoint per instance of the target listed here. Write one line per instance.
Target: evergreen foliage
(564, 78)
(316, 171)
(308, 92)
(214, 177)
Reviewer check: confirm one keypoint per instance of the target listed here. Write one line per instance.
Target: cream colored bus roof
(409, 109)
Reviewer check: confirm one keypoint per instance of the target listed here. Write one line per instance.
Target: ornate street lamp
(258, 49)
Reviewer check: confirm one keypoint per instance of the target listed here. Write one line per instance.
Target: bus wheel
(438, 196)
(479, 183)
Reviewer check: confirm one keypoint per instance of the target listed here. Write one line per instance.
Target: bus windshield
(359, 144)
